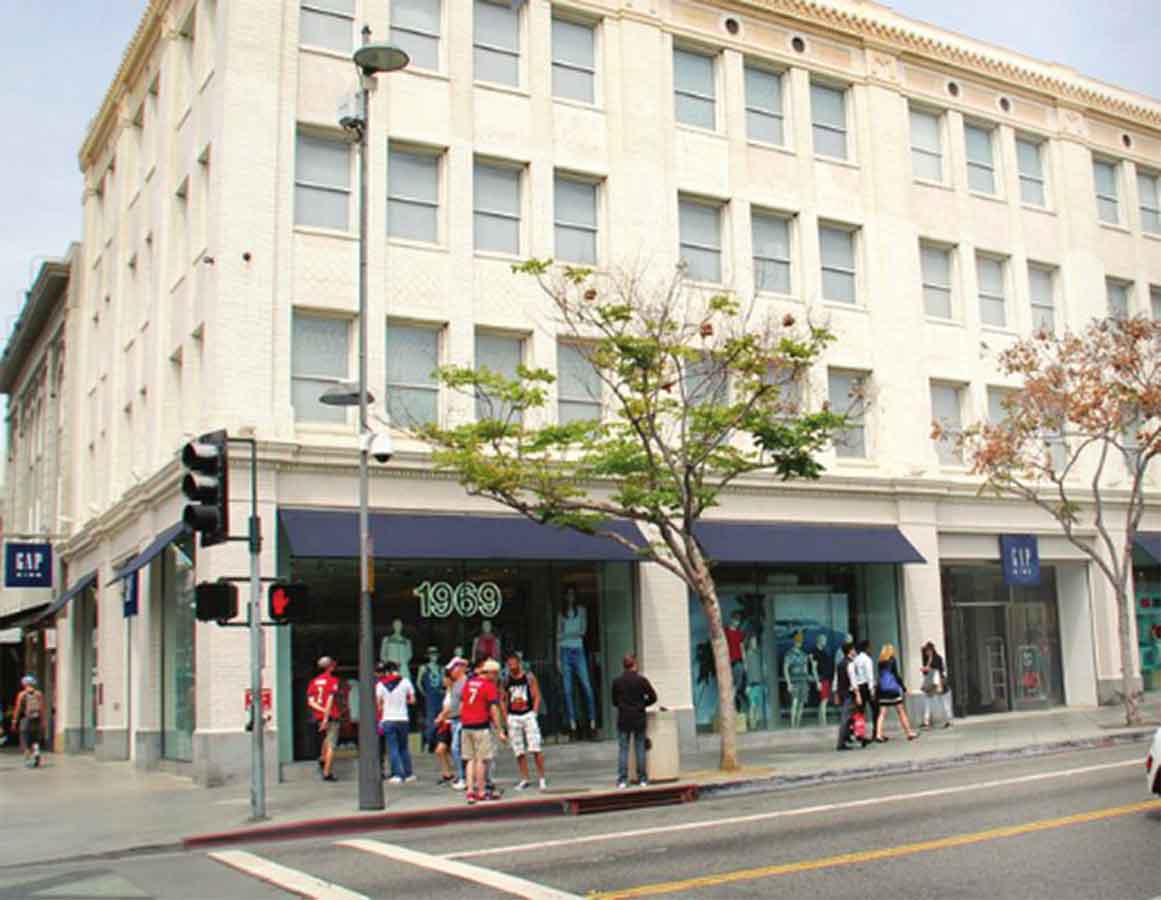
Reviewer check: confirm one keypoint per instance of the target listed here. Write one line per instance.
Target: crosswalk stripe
(284, 877)
(501, 881)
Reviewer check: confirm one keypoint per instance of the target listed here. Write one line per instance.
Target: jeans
(932, 702)
(623, 738)
(457, 748)
(398, 749)
(573, 664)
(434, 703)
(738, 670)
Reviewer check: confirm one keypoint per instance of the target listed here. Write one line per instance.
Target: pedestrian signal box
(289, 603)
(216, 601)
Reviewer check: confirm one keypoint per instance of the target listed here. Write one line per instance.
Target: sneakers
(446, 779)
(395, 779)
(459, 784)
(471, 799)
(330, 777)
(411, 779)
(621, 785)
(522, 785)
(642, 783)
(544, 784)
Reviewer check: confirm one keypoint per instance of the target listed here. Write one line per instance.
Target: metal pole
(257, 757)
(370, 766)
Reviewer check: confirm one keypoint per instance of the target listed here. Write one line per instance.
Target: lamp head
(375, 58)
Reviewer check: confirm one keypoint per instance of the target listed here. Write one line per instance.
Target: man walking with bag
(632, 694)
(27, 713)
(849, 696)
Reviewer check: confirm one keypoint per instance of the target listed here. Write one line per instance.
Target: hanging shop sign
(1020, 558)
(27, 565)
(439, 599)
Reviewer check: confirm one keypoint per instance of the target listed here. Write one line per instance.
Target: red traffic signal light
(288, 602)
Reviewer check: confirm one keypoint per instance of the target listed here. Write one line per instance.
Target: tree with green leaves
(1077, 440)
(695, 393)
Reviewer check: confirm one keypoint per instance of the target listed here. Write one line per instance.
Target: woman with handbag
(935, 688)
(892, 691)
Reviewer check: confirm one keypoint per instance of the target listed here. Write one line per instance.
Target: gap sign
(1020, 557)
(27, 565)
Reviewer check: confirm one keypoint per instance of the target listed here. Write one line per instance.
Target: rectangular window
(845, 391)
(1104, 176)
(946, 408)
(575, 220)
(501, 354)
(329, 24)
(694, 89)
(828, 116)
(705, 382)
(497, 208)
(1149, 199)
(578, 385)
(496, 42)
(993, 306)
(1155, 303)
(1118, 296)
(700, 228)
(1030, 163)
(764, 106)
(1042, 293)
(413, 195)
(412, 385)
(574, 61)
(319, 356)
(996, 399)
(981, 166)
(771, 237)
(926, 145)
(837, 250)
(936, 265)
(415, 26)
(322, 183)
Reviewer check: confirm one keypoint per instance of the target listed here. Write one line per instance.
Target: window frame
(788, 219)
(945, 450)
(948, 250)
(522, 341)
(751, 110)
(437, 156)
(433, 387)
(981, 295)
(857, 420)
(348, 191)
(407, 29)
(844, 91)
(1146, 212)
(314, 378)
(563, 16)
(518, 53)
(596, 183)
(938, 116)
(718, 207)
(1155, 302)
(576, 400)
(853, 231)
(992, 167)
(319, 8)
(703, 53)
(1040, 144)
(1114, 198)
(1124, 285)
(1052, 273)
(500, 165)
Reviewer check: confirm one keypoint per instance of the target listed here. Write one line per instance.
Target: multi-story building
(931, 196)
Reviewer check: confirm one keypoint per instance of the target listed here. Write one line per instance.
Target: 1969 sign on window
(440, 599)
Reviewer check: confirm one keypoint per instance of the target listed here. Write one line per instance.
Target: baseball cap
(324, 661)
(28, 681)
(491, 666)
(455, 661)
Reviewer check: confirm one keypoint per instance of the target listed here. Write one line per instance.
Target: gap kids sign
(1020, 556)
(27, 565)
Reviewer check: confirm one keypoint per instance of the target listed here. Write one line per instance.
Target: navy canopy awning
(791, 542)
(150, 553)
(23, 617)
(1149, 542)
(86, 581)
(334, 533)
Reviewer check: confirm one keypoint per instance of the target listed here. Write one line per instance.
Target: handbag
(859, 726)
(932, 683)
(888, 683)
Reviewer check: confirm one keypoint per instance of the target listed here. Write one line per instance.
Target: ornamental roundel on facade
(883, 66)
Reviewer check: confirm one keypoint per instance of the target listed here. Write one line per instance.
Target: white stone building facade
(932, 197)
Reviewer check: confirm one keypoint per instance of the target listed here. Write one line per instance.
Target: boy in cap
(457, 672)
(26, 718)
(322, 699)
(479, 713)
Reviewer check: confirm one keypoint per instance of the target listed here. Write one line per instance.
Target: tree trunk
(1128, 692)
(727, 715)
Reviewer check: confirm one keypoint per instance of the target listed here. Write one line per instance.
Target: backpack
(32, 704)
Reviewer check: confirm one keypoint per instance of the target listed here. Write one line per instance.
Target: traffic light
(216, 601)
(288, 603)
(206, 485)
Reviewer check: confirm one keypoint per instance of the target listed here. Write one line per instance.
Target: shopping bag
(859, 726)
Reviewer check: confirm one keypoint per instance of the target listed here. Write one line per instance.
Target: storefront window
(567, 620)
(1147, 593)
(785, 626)
(178, 695)
(87, 638)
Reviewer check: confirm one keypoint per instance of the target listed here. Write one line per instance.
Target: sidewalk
(74, 806)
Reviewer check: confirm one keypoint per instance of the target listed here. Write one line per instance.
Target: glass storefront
(785, 626)
(1147, 596)
(87, 647)
(1003, 643)
(571, 621)
(178, 681)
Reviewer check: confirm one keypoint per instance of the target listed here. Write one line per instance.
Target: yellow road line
(845, 859)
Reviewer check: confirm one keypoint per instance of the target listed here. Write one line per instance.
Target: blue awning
(23, 617)
(86, 581)
(1149, 542)
(790, 542)
(150, 553)
(334, 533)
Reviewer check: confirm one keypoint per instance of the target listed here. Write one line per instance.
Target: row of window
(320, 352)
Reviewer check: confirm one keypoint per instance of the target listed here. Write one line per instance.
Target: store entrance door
(979, 659)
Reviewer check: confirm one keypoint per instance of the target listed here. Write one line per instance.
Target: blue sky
(49, 100)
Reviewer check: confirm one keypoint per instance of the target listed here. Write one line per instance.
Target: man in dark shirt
(632, 693)
(848, 695)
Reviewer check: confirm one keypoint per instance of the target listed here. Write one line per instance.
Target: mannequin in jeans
(571, 659)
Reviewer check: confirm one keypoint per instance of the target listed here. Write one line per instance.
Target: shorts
(824, 691)
(330, 737)
(476, 743)
(524, 732)
(799, 691)
(30, 729)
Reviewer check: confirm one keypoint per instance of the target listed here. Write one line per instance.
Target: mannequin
(735, 638)
(755, 684)
(396, 648)
(571, 659)
(486, 642)
(796, 669)
(823, 673)
(429, 683)
(458, 650)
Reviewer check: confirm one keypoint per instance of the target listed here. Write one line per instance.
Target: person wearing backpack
(27, 715)
(892, 692)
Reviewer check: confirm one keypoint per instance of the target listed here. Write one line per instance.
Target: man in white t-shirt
(393, 694)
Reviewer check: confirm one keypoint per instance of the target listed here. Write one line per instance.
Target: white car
(1153, 765)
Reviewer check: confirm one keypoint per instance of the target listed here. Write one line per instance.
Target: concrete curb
(774, 783)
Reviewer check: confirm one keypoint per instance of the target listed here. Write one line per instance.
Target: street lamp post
(370, 59)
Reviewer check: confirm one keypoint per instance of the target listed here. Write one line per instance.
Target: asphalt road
(1075, 825)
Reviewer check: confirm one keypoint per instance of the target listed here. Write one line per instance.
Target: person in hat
(393, 695)
(322, 699)
(27, 715)
(457, 669)
(479, 714)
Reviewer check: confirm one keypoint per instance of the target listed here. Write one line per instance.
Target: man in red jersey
(322, 698)
(479, 712)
